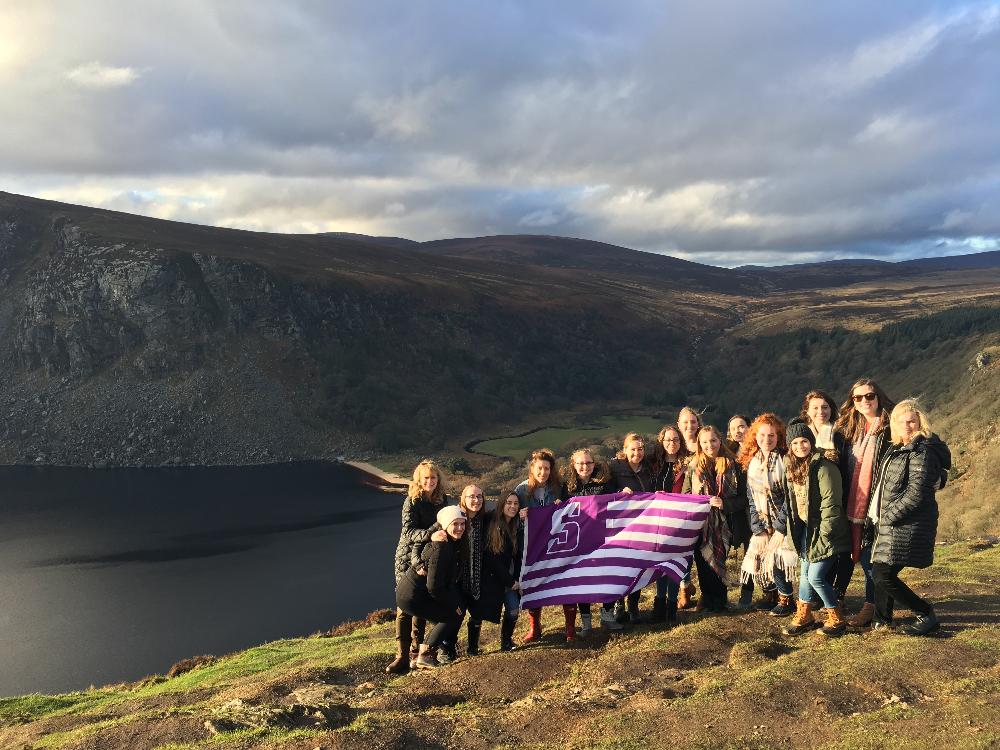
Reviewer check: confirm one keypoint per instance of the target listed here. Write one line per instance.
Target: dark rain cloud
(725, 131)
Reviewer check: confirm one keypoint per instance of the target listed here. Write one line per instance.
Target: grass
(711, 682)
(558, 438)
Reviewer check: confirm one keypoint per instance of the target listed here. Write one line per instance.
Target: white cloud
(97, 76)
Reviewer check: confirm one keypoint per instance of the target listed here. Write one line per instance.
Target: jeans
(889, 590)
(815, 576)
(511, 604)
(866, 566)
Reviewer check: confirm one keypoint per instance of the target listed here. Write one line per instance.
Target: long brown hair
(798, 468)
(602, 472)
(659, 457)
(415, 492)
(850, 423)
(501, 531)
(554, 483)
(749, 449)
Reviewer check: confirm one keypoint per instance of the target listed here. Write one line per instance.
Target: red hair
(749, 449)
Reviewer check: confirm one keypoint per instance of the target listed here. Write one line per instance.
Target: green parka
(828, 533)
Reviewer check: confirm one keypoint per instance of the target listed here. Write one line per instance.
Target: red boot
(534, 627)
(569, 612)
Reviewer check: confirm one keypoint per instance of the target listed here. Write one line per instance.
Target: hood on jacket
(940, 449)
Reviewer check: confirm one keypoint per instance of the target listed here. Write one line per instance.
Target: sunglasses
(865, 396)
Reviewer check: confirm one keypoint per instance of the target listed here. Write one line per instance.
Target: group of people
(831, 489)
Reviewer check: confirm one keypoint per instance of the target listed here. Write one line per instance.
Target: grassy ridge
(729, 681)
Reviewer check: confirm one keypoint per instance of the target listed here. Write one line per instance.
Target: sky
(723, 132)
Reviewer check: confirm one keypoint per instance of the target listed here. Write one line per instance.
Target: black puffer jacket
(500, 571)
(418, 517)
(909, 476)
(638, 481)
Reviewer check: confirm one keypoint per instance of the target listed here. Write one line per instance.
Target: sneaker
(586, 625)
(609, 621)
(620, 614)
(923, 625)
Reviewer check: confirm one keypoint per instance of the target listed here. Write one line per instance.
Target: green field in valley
(557, 437)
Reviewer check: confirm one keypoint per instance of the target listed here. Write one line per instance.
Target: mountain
(128, 340)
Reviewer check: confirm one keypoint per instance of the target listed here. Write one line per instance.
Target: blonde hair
(904, 407)
(630, 438)
(701, 462)
(573, 481)
(463, 500)
(416, 492)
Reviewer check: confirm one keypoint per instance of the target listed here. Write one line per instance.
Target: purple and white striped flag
(599, 548)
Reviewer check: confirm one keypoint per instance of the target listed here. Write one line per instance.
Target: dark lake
(111, 575)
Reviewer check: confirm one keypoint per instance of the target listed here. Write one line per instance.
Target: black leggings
(889, 590)
(840, 573)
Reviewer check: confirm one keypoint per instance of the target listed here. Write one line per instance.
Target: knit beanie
(797, 428)
(448, 515)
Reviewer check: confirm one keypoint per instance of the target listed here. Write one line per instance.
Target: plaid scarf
(764, 481)
(716, 534)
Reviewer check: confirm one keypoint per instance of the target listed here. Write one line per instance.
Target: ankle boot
(746, 597)
(684, 597)
(569, 614)
(426, 658)
(768, 601)
(633, 607)
(534, 627)
(401, 664)
(785, 606)
(507, 634)
(835, 623)
(802, 621)
(864, 617)
(474, 630)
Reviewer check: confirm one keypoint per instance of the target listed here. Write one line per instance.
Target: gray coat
(910, 475)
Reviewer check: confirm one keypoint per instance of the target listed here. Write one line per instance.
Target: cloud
(97, 76)
(717, 131)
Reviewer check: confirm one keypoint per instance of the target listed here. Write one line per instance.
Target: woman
(736, 430)
(817, 527)
(819, 411)
(688, 422)
(501, 593)
(587, 477)
(474, 542)
(424, 498)
(669, 466)
(712, 471)
(864, 423)
(770, 554)
(632, 472)
(904, 512)
(436, 595)
(541, 489)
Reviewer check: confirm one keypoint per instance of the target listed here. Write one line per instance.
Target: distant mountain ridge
(130, 340)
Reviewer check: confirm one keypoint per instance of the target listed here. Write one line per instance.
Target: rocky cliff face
(121, 349)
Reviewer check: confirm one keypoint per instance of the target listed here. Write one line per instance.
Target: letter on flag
(599, 548)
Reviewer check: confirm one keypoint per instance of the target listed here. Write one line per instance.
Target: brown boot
(835, 623)
(401, 664)
(569, 612)
(534, 627)
(863, 618)
(684, 596)
(802, 621)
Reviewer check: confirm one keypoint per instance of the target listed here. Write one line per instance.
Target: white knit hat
(449, 514)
